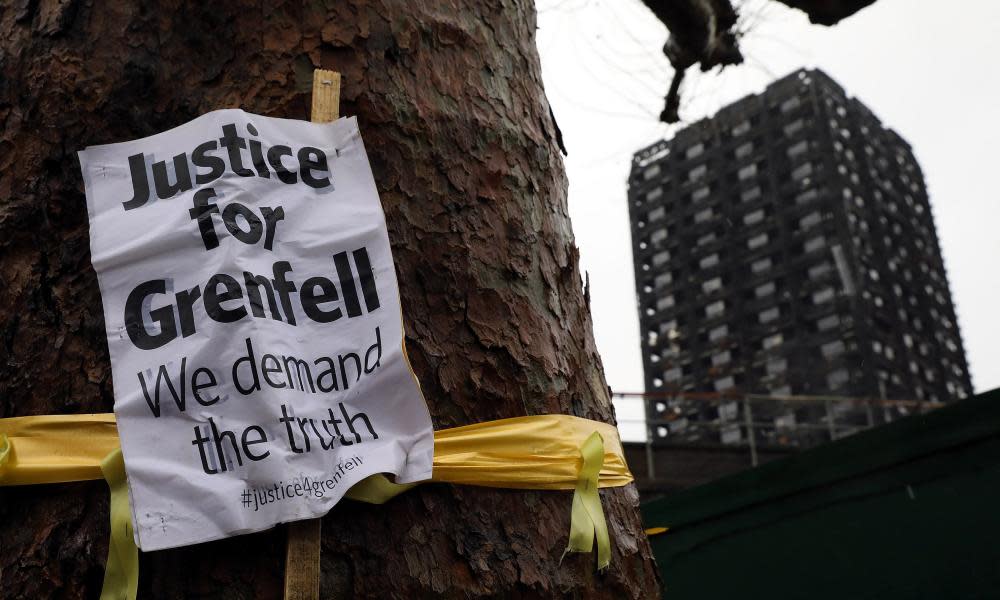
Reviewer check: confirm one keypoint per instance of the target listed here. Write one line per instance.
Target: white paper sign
(254, 324)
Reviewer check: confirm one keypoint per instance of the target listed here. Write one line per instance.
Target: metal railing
(756, 420)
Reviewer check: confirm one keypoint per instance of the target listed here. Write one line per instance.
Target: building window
(765, 289)
(810, 220)
(712, 285)
(655, 194)
(658, 236)
(744, 150)
(818, 271)
(802, 171)
(837, 378)
(790, 104)
(832, 349)
(768, 315)
(726, 383)
(709, 261)
(715, 309)
(697, 173)
(815, 243)
(661, 258)
(747, 172)
(695, 150)
(794, 127)
(717, 333)
(703, 215)
(824, 295)
(651, 172)
(700, 193)
(776, 366)
(828, 322)
(708, 238)
(798, 149)
(751, 194)
(669, 328)
(741, 128)
(657, 213)
(772, 341)
(663, 280)
(806, 196)
(761, 265)
(721, 358)
(672, 374)
(665, 302)
(752, 218)
(757, 241)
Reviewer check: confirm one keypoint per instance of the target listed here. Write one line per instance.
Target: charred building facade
(786, 247)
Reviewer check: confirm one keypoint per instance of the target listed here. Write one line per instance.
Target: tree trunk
(450, 103)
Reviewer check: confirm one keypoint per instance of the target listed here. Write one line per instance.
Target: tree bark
(450, 102)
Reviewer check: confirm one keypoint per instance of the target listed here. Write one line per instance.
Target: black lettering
(253, 283)
(185, 309)
(333, 420)
(284, 288)
(368, 289)
(274, 154)
(343, 370)
(232, 142)
(330, 371)
(200, 441)
(261, 438)
(271, 218)
(214, 300)
(135, 323)
(347, 286)
(377, 348)
(249, 359)
(257, 154)
(350, 422)
(218, 437)
(256, 227)
(287, 420)
(182, 174)
(203, 160)
(163, 375)
(300, 365)
(311, 299)
(197, 387)
(267, 371)
(202, 212)
(140, 182)
(313, 159)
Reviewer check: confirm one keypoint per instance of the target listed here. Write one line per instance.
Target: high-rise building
(786, 246)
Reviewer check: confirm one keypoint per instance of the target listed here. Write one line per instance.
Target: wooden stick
(325, 96)
(303, 542)
(302, 560)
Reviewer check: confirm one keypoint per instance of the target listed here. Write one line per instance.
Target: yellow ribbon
(540, 452)
(587, 521)
(57, 448)
(121, 573)
(4, 453)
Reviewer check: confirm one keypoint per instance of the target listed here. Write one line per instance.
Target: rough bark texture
(450, 102)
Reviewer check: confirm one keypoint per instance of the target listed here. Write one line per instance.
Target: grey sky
(924, 67)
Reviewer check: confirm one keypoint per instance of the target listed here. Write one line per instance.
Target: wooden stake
(303, 545)
(326, 96)
(302, 560)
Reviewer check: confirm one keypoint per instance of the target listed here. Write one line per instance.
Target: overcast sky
(924, 67)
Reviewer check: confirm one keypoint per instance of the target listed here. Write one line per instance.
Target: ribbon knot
(587, 519)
